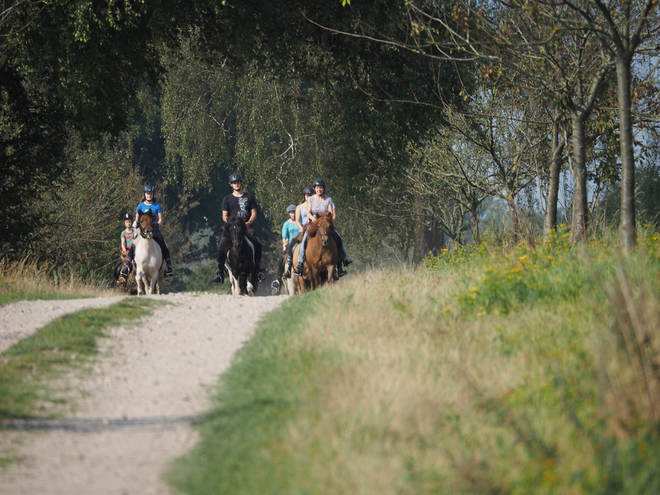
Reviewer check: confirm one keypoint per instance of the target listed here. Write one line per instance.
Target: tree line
(420, 115)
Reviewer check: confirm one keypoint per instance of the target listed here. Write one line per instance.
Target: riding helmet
(320, 182)
(148, 189)
(235, 177)
(309, 190)
(290, 208)
(128, 216)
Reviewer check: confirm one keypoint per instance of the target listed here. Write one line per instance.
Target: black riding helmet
(320, 182)
(308, 190)
(128, 216)
(235, 177)
(149, 189)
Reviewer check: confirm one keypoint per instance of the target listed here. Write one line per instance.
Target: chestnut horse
(149, 264)
(321, 255)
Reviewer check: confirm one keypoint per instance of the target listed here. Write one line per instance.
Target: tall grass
(29, 279)
(532, 370)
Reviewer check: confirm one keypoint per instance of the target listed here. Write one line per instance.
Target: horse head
(145, 223)
(237, 231)
(322, 226)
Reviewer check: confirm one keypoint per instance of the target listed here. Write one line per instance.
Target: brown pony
(321, 254)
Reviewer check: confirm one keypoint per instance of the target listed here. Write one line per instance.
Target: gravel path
(138, 401)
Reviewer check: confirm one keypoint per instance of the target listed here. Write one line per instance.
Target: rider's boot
(169, 272)
(348, 261)
(126, 269)
(299, 269)
(340, 270)
(219, 277)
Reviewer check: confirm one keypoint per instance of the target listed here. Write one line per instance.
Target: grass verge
(68, 341)
(28, 280)
(530, 371)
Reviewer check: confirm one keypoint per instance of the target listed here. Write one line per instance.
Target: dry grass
(29, 279)
(421, 402)
(406, 382)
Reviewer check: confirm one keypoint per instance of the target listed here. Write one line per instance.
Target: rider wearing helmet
(149, 203)
(290, 232)
(240, 205)
(302, 221)
(127, 235)
(303, 208)
(290, 229)
(318, 204)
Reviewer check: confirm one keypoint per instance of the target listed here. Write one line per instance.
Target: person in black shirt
(243, 206)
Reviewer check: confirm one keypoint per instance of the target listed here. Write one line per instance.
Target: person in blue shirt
(290, 228)
(149, 203)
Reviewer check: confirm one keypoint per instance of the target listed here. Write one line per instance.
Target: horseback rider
(290, 229)
(290, 232)
(149, 204)
(318, 204)
(302, 221)
(303, 208)
(243, 206)
(127, 235)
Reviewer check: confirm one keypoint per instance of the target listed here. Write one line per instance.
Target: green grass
(258, 397)
(11, 296)
(491, 371)
(66, 342)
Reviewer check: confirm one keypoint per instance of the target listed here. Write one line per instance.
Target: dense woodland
(431, 121)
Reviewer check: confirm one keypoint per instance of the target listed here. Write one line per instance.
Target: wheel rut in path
(139, 399)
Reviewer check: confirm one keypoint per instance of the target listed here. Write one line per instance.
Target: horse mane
(314, 226)
(235, 221)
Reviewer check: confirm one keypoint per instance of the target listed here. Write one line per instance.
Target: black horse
(240, 259)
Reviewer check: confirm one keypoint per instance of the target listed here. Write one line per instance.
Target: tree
(68, 66)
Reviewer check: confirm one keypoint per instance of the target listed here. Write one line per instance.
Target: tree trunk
(550, 220)
(628, 232)
(580, 210)
(515, 218)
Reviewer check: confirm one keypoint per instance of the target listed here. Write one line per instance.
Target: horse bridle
(236, 242)
(147, 233)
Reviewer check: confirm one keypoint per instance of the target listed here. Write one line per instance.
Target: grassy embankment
(517, 372)
(27, 280)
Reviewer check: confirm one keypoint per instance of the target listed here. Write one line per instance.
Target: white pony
(149, 265)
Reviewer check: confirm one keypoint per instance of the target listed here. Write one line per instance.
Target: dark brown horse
(321, 255)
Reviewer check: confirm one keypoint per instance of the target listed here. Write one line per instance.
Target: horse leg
(301, 284)
(331, 273)
(242, 284)
(153, 285)
(140, 282)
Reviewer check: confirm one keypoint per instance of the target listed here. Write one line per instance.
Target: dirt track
(134, 409)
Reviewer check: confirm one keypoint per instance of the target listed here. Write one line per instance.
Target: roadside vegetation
(69, 341)
(27, 279)
(491, 369)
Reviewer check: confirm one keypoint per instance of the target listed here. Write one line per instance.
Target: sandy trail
(137, 402)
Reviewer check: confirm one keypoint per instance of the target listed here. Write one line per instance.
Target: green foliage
(199, 279)
(66, 342)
